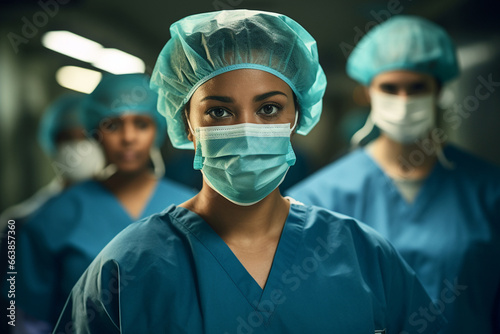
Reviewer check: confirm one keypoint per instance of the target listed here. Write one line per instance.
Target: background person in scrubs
(438, 205)
(64, 236)
(61, 132)
(238, 257)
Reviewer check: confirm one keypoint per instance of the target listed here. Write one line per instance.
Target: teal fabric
(65, 113)
(117, 95)
(404, 43)
(449, 234)
(244, 162)
(58, 242)
(171, 273)
(203, 46)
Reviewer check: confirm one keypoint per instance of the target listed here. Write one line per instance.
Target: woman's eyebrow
(226, 99)
(388, 86)
(266, 95)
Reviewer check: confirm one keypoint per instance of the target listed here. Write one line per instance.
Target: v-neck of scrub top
(290, 238)
(429, 185)
(119, 204)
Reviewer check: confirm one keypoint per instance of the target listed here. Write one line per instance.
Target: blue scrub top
(171, 273)
(58, 242)
(450, 234)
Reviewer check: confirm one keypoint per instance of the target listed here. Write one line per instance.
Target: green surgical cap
(404, 43)
(63, 114)
(205, 45)
(117, 95)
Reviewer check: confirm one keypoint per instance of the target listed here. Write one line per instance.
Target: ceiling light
(118, 62)
(72, 45)
(77, 78)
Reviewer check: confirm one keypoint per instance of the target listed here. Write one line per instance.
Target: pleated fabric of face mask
(78, 160)
(244, 162)
(404, 119)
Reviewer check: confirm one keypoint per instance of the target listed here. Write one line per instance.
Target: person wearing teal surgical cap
(60, 132)
(62, 238)
(437, 204)
(238, 257)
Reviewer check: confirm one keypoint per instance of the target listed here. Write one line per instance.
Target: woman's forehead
(243, 81)
(401, 77)
(127, 117)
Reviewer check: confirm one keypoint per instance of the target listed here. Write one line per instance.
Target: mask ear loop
(362, 133)
(443, 160)
(290, 155)
(295, 123)
(189, 124)
(157, 160)
(106, 172)
(198, 158)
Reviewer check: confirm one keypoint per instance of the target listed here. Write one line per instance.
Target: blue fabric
(171, 273)
(59, 241)
(450, 234)
(404, 43)
(205, 45)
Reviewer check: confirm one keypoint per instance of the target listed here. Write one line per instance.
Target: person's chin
(129, 167)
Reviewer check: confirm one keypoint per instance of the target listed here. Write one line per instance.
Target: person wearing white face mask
(61, 134)
(438, 205)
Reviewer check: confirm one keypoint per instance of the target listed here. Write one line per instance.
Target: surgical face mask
(78, 160)
(244, 162)
(403, 119)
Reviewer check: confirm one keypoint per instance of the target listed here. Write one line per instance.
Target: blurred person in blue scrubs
(61, 239)
(238, 257)
(437, 204)
(61, 134)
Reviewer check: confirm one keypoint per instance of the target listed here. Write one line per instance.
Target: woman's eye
(389, 89)
(219, 113)
(269, 110)
(110, 126)
(142, 124)
(418, 87)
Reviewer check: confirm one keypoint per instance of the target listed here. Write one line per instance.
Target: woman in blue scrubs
(238, 257)
(437, 204)
(58, 242)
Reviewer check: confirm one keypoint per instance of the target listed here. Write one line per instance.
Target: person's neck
(401, 160)
(235, 222)
(122, 182)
